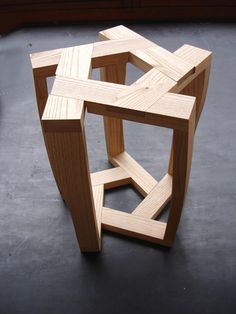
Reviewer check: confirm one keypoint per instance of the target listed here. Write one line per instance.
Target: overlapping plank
(144, 92)
(75, 62)
(166, 62)
(111, 178)
(88, 90)
(141, 179)
(171, 110)
(155, 201)
(134, 226)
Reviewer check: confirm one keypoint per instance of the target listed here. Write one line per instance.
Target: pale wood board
(111, 178)
(141, 179)
(75, 62)
(156, 200)
(134, 226)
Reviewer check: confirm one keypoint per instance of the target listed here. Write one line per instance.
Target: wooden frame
(170, 94)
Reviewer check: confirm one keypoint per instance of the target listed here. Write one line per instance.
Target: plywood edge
(141, 179)
(156, 200)
(134, 226)
(111, 178)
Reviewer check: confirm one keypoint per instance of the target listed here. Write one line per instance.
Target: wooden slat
(166, 62)
(62, 114)
(198, 57)
(75, 62)
(155, 201)
(98, 194)
(111, 178)
(118, 32)
(89, 90)
(171, 111)
(105, 48)
(134, 226)
(144, 92)
(142, 180)
(45, 63)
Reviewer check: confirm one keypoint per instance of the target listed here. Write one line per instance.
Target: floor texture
(41, 267)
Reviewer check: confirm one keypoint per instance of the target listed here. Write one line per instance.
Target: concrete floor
(41, 267)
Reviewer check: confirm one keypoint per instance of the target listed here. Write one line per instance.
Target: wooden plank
(44, 63)
(171, 111)
(62, 114)
(166, 62)
(98, 194)
(113, 127)
(198, 57)
(75, 62)
(111, 178)
(121, 45)
(88, 90)
(118, 32)
(141, 179)
(133, 226)
(156, 200)
(144, 92)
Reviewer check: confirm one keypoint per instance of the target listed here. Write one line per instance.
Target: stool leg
(41, 91)
(197, 88)
(113, 127)
(69, 161)
(182, 159)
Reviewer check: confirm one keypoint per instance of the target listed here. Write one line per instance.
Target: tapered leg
(114, 127)
(197, 88)
(66, 145)
(182, 158)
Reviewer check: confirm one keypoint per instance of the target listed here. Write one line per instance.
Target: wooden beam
(156, 200)
(141, 179)
(111, 178)
(133, 226)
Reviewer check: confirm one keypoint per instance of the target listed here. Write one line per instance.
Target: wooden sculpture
(170, 94)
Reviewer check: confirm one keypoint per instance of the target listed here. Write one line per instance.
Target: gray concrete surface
(41, 267)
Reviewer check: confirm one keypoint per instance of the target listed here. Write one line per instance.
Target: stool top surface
(153, 98)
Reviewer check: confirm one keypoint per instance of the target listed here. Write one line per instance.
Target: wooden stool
(170, 94)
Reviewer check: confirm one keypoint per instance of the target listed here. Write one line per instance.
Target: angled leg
(114, 127)
(198, 86)
(62, 122)
(182, 159)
